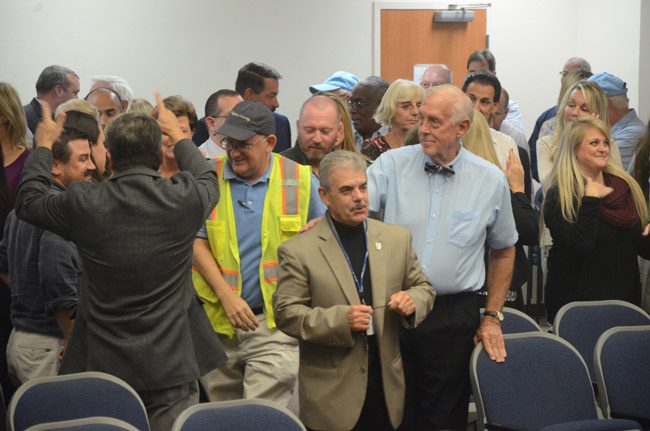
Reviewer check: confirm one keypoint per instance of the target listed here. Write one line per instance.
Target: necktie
(435, 168)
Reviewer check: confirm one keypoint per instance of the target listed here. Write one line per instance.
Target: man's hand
(167, 121)
(359, 317)
(48, 130)
(489, 332)
(515, 173)
(401, 303)
(239, 313)
(310, 224)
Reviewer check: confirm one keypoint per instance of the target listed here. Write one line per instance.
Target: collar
(455, 163)
(229, 174)
(137, 170)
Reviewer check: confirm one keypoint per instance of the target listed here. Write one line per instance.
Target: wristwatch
(496, 314)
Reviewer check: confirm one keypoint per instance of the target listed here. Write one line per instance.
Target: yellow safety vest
(286, 206)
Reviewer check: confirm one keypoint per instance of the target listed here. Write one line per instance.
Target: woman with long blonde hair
(598, 219)
(13, 129)
(584, 99)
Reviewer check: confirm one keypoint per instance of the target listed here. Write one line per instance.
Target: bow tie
(435, 168)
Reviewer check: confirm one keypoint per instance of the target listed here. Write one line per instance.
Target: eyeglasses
(232, 144)
(427, 85)
(357, 104)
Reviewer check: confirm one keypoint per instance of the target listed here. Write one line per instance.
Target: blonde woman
(479, 141)
(584, 99)
(597, 217)
(399, 109)
(13, 128)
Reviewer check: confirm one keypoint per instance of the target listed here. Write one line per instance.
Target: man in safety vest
(265, 200)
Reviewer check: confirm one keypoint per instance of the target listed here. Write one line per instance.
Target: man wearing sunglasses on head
(265, 200)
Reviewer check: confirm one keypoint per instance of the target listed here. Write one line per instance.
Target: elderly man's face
(433, 76)
(362, 107)
(107, 104)
(319, 131)
(346, 197)
(439, 133)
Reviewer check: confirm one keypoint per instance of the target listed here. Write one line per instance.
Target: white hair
(117, 84)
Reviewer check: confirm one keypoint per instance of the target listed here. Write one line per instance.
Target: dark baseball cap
(246, 120)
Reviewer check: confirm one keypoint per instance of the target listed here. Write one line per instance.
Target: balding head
(436, 74)
(320, 130)
(576, 63)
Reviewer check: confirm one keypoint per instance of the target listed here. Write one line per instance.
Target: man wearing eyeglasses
(365, 99)
(217, 108)
(265, 200)
(434, 75)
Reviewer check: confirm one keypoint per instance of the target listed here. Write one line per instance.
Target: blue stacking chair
(622, 368)
(240, 415)
(543, 383)
(75, 396)
(581, 323)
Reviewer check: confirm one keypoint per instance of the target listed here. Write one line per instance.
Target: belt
(454, 296)
(257, 310)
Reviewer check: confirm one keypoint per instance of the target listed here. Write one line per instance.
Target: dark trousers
(436, 358)
(165, 405)
(374, 414)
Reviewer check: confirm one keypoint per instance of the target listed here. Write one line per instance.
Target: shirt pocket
(289, 226)
(465, 228)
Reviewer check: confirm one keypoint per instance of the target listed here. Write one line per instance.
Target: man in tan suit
(344, 287)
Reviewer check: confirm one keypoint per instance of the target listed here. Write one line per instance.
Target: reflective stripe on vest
(286, 206)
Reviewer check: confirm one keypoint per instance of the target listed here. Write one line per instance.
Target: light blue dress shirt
(451, 217)
(248, 205)
(627, 133)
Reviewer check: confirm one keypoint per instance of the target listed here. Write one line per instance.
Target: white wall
(196, 46)
(644, 63)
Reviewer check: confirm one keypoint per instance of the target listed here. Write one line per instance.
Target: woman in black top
(598, 219)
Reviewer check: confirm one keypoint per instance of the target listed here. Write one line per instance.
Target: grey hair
(52, 76)
(336, 160)
(117, 84)
(445, 69)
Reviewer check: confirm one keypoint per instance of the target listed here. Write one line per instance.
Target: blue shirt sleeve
(203, 232)
(316, 206)
(502, 232)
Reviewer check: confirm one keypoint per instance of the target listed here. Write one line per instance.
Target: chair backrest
(75, 396)
(515, 322)
(543, 381)
(95, 423)
(582, 323)
(622, 369)
(240, 415)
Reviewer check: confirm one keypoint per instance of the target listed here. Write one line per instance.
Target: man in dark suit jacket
(344, 288)
(260, 82)
(138, 317)
(55, 85)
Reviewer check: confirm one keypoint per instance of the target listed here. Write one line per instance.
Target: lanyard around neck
(357, 281)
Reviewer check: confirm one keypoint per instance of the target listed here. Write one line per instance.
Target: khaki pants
(261, 364)
(31, 355)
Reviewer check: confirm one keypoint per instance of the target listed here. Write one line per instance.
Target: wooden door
(410, 36)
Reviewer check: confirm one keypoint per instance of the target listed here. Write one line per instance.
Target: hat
(248, 119)
(340, 80)
(611, 85)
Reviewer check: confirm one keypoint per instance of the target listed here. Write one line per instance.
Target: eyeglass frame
(357, 104)
(226, 143)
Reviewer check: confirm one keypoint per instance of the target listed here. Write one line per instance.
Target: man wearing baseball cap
(265, 200)
(627, 127)
(340, 83)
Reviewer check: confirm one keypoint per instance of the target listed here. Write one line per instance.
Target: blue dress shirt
(451, 217)
(248, 205)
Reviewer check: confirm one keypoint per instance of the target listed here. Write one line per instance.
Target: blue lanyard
(357, 282)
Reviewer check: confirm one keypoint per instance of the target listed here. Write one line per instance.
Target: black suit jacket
(138, 317)
(282, 132)
(33, 114)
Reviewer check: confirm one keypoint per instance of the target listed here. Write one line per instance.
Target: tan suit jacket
(315, 290)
